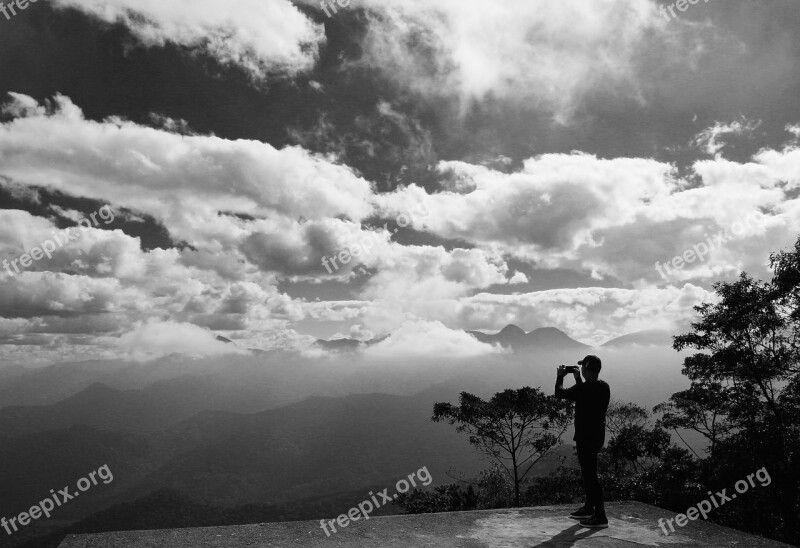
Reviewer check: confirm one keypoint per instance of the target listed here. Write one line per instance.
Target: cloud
(158, 338)
(184, 181)
(615, 218)
(261, 36)
(529, 51)
(426, 339)
(31, 294)
(419, 275)
(298, 248)
(712, 140)
(589, 314)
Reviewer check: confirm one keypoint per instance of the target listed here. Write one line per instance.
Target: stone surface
(631, 524)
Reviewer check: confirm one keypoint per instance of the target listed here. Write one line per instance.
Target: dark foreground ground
(630, 524)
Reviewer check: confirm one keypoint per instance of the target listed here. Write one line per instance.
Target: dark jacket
(591, 403)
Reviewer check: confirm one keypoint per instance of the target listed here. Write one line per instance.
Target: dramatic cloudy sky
(482, 162)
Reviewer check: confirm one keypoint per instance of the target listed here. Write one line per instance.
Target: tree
(703, 408)
(633, 448)
(642, 463)
(515, 428)
(745, 390)
(624, 415)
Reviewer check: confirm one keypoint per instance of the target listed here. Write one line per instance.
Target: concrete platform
(630, 524)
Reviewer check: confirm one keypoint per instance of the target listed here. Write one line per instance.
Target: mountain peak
(512, 330)
(544, 338)
(552, 331)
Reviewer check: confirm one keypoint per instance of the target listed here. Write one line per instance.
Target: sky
(268, 172)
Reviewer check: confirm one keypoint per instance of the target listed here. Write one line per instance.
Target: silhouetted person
(591, 399)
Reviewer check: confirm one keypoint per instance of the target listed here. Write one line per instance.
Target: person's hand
(562, 371)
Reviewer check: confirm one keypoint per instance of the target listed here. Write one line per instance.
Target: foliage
(515, 429)
(745, 391)
(491, 490)
(563, 486)
(640, 461)
(494, 490)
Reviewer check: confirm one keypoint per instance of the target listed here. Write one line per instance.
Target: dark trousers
(587, 458)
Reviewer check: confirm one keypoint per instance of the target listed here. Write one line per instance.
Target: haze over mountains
(514, 337)
(276, 434)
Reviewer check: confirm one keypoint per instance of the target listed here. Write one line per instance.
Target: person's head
(590, 366)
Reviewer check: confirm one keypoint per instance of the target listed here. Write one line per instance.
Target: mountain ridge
(543, 338)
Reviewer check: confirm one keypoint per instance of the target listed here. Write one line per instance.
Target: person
(591, 399)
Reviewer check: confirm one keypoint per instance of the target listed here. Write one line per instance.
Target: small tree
(704, 408)
(641, 462)
(515, 428)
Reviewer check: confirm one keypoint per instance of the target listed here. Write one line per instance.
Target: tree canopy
(515, 428)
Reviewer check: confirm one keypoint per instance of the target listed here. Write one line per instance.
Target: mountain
(176, 387)
(545, 338)
(552, 338)
(346, 345)
(339, 344)
(146, 410)
(650, 337)
(9, 372)
(34, 464)
(48, 385)
(317, 447)
(255, 437)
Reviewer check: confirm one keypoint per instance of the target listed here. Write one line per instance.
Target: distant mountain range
(514, 337)
(346, 345)
(511, 336)
(315, 450)
(544, 338)
(650, 337)
(135, 411)
(276, 434)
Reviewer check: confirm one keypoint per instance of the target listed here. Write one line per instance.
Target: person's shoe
(582, 513)
(595, 522)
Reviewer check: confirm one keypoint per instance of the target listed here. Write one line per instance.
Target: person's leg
(595, 490)
(584, 458)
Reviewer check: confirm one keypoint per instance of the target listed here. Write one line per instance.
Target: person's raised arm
(566, 393)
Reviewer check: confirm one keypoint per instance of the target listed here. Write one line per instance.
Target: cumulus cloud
(259, 219)
(551, 204)
(303, 207)
(420, 274)
(31, 294)
(615, 218)
(285, 210)
(158, 338)
(261, 36)
(86, 250)
(425, 339)
(589, 314)
(103, 282)
(183, 180)
(530, 51)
